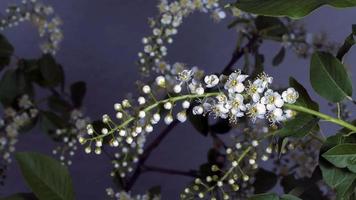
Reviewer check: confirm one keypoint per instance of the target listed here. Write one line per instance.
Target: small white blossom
(235, 82)
(272, 100)
(211, 81)
(290, 95)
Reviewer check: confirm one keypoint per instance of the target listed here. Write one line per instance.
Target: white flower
(146, 89)
(234, 83)
(255, 89)
(168, 105)
(265, 79)
(272, 100)
(185, 75)
(256, 111)
(198, 110)
(177, 89)
(166, 19)
(182, 116)
(289, 113)
(211, 81)
(186, 104)
(236, 105)
(141, 100)
(290, 95)
(276, 115)
(220, 110)
(161, 81)
(199, 90)
(168, 119)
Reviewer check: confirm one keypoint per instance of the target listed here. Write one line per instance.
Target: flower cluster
(304, 43)
(70, 135)
(122, 195)
(15, 120)
(253, 99)
(166, 26)
(225, 97)
(42, 16)
(233, 176)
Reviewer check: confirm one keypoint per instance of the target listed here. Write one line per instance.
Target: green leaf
(300, 126)
(221, 126)
(291, 8)
(51, 71)
(265, 196)
(305, 188)
(304, 98)
(338, 138)
(58, 104)
(303, 123)
(279, 57)
(270, 26)
(21, 196)
(77, 93)
(329, 78)
(272, 196)
(339, 179)
(289, 197)
(6, 51)
(265, 180)
(46, 177)
(349, 42)
(50, 121)
(12, 85)
(342, 156)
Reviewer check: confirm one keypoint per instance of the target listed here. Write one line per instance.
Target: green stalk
(321, 116)
(151, 107)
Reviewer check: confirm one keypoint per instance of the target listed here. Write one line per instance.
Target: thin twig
(190, 173)
(238, 53)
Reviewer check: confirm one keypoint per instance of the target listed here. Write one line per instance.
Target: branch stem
(321, 116)
(151, 107)
(190, 173)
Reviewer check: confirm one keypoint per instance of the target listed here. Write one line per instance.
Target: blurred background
(101, 42)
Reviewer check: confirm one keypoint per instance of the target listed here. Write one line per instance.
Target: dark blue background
(101, 42)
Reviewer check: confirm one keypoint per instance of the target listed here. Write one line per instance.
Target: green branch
(131, 119)
(321, 116)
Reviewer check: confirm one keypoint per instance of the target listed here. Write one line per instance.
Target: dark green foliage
(329, 77)
(291, 8)
(6, 51)
(46, 177)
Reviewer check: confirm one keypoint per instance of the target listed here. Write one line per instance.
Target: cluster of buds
(15, 120)
(229, 97)
(70, 135)
(166, 26)
(227, 182)
(122, 195)
(233, 175)
(42, 16)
